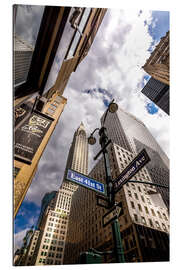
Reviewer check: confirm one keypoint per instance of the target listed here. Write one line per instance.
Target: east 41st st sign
(85, 181)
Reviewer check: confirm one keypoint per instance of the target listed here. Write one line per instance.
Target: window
(159, 215)
(157, 224)
(136, 196)
(84, 19)
(50, 111)
(151, 223)
(146, 209)
(132, 204)
(152, 211)
(148, 200)
(165, 216)
(135, 217)
(143, 220)
(139, 207)
(164, 227)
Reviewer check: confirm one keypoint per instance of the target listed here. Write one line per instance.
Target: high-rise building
(157, 92)
(22, 59)
(64, 34)
(144, 224)
(70, 34)
(138, 137)
(55, 210)
(37, 125)
(157, 66)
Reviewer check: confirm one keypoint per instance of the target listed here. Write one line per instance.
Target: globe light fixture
(91, 140)
(113, 107)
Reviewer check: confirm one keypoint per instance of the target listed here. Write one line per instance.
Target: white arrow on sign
(114, 213)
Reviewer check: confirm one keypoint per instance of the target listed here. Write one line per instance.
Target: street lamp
(104, 142)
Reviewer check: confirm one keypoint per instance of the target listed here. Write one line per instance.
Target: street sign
(114, 213)
(85, 181)
(138, 163)
(102, 201)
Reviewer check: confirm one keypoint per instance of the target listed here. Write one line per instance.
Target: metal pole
(119, 252)
(103, 140)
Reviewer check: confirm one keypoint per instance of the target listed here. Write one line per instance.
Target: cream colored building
(144, 221)
(157, 65)
(24, 172)
(49, 248)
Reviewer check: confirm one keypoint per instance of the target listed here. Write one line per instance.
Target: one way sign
(114, 213)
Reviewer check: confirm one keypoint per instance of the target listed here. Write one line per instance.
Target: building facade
(157, 66)
(22, 59)
(48, 249)
(157, 92)
(74, 30)
(33, 128)
(144, 224)
(137, 135)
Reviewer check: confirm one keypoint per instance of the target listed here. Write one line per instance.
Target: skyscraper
(144, 224)
(55, 210)
(157, 66)
(32, 132)
(22, 59)
(138, 137)
(157, 92)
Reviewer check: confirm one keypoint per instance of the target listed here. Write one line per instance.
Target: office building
(138, 137)
(68, 37)
(64, 36)
(158, 93)
(22, 59)
(48, 247)
(144, 224)
(38, 123)
(157, 66)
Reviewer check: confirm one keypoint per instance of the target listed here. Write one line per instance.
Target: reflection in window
(84, 19)
(27, 21)
(77, 36)
(74, 45)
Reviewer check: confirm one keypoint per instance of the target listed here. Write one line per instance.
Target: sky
(112, 69)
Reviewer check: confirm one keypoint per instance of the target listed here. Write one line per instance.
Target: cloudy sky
(112, 69)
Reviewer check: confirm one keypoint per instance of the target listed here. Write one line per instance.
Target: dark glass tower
(157, 92)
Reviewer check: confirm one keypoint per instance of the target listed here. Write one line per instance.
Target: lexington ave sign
(140, 161)
(85, 181)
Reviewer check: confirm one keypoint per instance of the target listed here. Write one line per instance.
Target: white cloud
(18, 239)
(113, 63)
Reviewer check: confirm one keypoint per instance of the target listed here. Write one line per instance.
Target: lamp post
(104, 142)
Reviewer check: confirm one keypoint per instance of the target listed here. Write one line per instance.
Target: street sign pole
(118, 248)
(103, 141)
(119, 253)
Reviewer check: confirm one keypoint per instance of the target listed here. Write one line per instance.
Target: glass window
(74, 45)
(25, 35)
(143, 220)
(84, 19)
(140, 208)
(157, 224)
